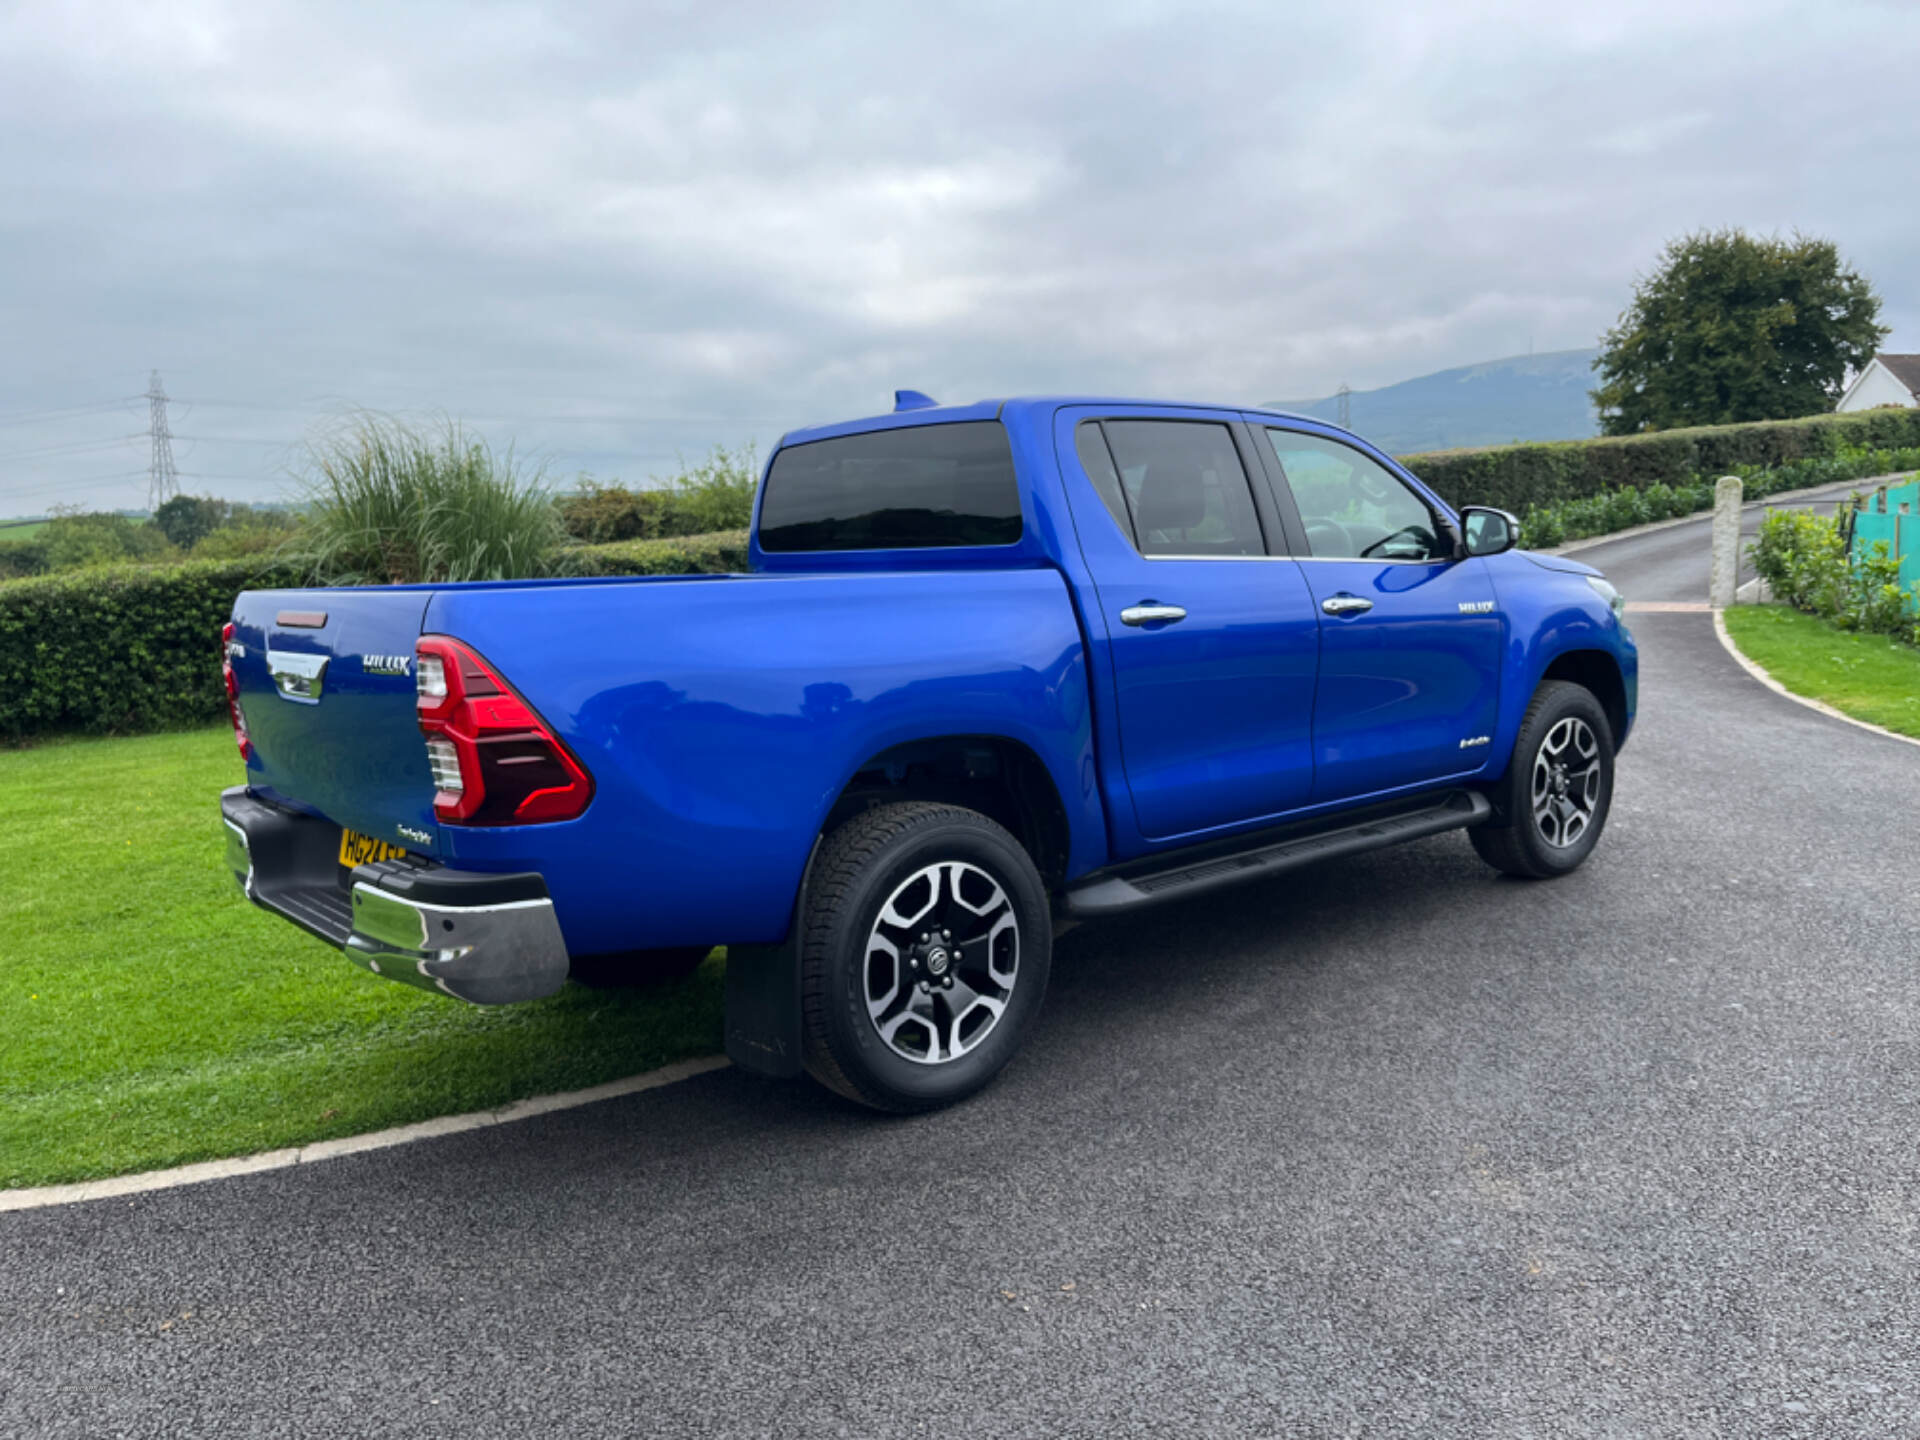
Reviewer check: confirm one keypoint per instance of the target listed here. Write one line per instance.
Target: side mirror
(1489, 531)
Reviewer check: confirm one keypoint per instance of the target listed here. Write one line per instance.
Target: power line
(162, 483)
(72, 447)
(32, 417)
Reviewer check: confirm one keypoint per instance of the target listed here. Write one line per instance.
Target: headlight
(1615, 600)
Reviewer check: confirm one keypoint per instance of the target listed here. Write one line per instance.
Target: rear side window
(909, 489)
(1185, 487)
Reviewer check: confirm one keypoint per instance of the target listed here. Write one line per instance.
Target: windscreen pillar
(1726, 542)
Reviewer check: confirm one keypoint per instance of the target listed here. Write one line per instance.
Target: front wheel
(1558, 787)
(926, 949)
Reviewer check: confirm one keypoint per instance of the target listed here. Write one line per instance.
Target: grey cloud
(612, 233)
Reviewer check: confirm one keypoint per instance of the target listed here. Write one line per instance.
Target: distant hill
(1524, 397)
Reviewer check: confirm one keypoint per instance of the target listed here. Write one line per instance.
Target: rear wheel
(1558, 788)
(925, 955)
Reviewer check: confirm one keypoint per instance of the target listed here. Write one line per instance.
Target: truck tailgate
(327, 689)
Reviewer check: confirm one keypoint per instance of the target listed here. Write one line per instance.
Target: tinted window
(1354, 508)
(1098, 464)
(1186, 488)
(894, 490)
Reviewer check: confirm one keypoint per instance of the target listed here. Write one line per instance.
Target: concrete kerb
(38, 1197)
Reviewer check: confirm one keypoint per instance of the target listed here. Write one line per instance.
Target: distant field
(21, 529)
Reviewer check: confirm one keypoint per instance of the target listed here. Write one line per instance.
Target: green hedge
(692, 555)
(137, 647)
(1517, 477)
(127, 647)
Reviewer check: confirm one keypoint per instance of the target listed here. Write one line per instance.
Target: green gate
(1892, 514)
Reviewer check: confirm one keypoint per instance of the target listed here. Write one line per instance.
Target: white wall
(1875, 387)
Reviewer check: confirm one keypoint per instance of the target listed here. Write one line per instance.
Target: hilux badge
(386, 664)
(1475, 607)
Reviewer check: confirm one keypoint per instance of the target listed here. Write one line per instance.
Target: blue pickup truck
(997, 669)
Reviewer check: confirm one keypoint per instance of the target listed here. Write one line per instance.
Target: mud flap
(763, 1000)
(763, 1008)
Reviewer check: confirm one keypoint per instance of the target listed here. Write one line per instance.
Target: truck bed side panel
(721, 720)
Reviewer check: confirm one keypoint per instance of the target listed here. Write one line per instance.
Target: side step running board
(1110, 894)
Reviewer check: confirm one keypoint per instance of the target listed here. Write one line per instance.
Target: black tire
(881, 857)
(1520, 841)
(637, 967)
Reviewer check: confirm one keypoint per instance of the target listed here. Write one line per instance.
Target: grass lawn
(150, 1016)
(1871, 677)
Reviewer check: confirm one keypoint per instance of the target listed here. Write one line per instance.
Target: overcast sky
(610, 233)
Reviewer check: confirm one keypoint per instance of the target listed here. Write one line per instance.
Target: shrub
(391, 505)
(715, 554)
(19, 558)
(133, 648)
(1516, 477)
(702, 499)
(75, 537)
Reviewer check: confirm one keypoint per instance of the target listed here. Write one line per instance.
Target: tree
(1731, 328)
(187, 519)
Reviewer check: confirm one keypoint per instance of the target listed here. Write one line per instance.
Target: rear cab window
(909, 488)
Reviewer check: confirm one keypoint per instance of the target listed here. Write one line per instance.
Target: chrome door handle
(1346, 605)
(1147, 614)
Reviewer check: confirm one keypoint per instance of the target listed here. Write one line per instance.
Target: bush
(1517, 477)
(716, 554)
(1803, 558)
(118, 648)
(20, 558)
(1547, 525)
(702, 499)
(393, 505)
(74, 538)
(138, 647)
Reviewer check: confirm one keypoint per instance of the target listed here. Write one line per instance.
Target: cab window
(1353, 507)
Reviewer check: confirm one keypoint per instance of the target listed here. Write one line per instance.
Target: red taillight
(494, 760)
(233, 693)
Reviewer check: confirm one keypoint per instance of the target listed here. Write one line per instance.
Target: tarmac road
(1390, 1147)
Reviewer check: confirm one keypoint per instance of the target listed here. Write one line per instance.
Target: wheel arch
(1598, 672)
(1003, 778)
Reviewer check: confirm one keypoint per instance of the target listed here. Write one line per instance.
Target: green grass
(150, 1016)
(15, 530)
(1871, 677)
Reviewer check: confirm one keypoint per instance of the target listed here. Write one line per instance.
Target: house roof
(1905, 368)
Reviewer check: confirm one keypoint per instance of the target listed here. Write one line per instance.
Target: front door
(1212, 639)
(1410, 635)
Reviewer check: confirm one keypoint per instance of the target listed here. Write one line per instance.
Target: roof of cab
(991, 410)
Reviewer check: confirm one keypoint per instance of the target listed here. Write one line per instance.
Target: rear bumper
(489, 939)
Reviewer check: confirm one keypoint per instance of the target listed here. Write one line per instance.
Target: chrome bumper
(488, 939)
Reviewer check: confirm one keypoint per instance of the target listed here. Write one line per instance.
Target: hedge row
(1518, 477)
(136, 647)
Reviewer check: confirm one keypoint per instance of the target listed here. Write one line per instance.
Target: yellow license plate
(358, 849)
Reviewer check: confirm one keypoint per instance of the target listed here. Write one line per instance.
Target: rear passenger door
(1210, 628)
(1410, 633)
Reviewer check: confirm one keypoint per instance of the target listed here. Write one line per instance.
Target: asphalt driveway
(1393, 1146)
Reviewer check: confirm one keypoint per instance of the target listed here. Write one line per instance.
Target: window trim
(1445, 524)
(1266, 517)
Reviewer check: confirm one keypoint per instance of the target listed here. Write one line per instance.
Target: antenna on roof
(912, 400)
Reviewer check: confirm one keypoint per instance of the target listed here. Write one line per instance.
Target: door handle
(1346, 605)
(1151, 612)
